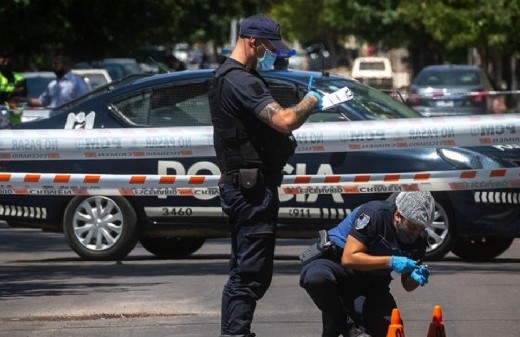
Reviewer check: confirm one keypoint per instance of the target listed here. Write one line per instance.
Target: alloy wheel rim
(98, 223)
(438, 231)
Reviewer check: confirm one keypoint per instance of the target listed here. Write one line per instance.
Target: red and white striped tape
(440, 93)
(312, 137)
(155, 185)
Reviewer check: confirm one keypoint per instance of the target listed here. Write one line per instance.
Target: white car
(373, 71)
(94, 77)
(37, 81)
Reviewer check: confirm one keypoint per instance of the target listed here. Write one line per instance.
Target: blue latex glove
(420, 275)
(318, 97)
(314, 93)
(402, 264)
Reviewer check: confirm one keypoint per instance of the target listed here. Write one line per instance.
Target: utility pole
(233, 32)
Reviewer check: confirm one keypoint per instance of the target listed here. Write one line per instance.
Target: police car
(479, 224)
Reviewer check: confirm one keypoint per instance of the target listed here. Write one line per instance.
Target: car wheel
(440, 235)
(101, 228)
(481, 248)
(172, 247)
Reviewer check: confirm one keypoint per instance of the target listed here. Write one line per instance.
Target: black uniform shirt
(374, 228)
(243, 90)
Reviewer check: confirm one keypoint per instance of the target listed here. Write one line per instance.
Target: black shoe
(357, 331)
(248, 334)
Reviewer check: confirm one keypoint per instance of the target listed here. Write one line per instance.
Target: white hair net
(417, 207)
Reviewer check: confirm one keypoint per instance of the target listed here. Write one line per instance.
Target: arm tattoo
(301, 110)
(267, 113)
(304, 109)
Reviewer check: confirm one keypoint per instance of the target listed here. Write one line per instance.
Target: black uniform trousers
(252, 221)
(339, 293)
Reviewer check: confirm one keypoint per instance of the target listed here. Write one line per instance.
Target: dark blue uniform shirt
(243, 90)
(372, 225)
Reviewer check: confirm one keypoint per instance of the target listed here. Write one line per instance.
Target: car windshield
(371, 65)
(367, 103)
(449, 78)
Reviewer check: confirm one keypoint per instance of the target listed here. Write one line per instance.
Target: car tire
(101, 228)
(441, 237)
(172, 247)
(482, 248)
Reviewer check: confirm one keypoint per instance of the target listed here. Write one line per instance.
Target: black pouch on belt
(249, 179)
(322, 248)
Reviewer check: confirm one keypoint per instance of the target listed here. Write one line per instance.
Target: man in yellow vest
(12, 84)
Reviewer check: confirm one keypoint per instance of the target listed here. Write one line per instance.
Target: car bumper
(446, 112)
(487, 212)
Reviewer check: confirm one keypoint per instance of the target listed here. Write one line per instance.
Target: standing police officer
(252, 139)
(350, 285)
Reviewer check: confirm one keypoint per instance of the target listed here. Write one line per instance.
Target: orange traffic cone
(395, 329)
(437, 326)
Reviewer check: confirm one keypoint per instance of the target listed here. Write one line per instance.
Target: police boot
(354, 330)
(330, 326)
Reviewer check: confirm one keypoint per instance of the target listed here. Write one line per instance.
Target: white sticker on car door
(80, 121)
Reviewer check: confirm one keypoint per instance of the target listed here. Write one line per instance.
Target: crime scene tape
(313, 137)
(441, 92)
(157, 185)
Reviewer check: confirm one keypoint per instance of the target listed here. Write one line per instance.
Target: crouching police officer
(350, 283)
(252, 139)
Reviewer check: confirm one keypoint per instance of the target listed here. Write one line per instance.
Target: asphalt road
(46, 290)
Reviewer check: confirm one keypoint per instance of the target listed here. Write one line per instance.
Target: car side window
(285, 94)
(180, 105)
(183, 104)
(134, 108)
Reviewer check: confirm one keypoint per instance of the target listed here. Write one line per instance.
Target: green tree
(433, 30)
(332, 21)
(34, 30)
(488, 26)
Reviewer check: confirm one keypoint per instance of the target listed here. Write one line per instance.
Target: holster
(323, 247)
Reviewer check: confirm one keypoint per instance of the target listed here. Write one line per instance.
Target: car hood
(507, 154)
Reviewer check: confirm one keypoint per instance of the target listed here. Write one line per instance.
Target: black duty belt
(229, 178)
(270, 178)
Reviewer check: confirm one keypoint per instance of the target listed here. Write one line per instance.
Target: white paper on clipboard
(337, 97)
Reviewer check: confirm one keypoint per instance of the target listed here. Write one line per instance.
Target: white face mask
(267, 61)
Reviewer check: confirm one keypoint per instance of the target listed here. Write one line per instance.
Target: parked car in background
(373, 71)
(475, 224)
(120, 67)
(447, 90)
(117, 68)
(37, 81)
(95, 78)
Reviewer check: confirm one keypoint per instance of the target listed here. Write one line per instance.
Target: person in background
(377, 240)
(499, 105)
(66, 87)
(12, 84)
(253, 141)
(174, 64)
